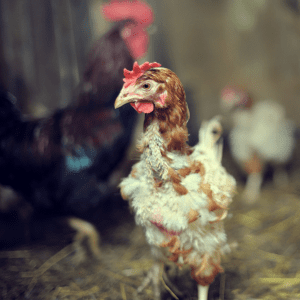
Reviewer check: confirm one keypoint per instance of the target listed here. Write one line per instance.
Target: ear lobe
(162, 98)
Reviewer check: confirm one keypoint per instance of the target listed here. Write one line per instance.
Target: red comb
(137, 71)
(230, 93)
(118, 10)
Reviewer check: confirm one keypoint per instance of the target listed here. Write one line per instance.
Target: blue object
(80, 160)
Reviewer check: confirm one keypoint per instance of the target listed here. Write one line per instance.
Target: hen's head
(233, 97)
(156, 91)
(210, 136)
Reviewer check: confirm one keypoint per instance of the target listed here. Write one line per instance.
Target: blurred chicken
(67, 163)
(261, 135)
(180, 195)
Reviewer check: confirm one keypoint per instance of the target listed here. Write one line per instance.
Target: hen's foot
(153, 277)
(155, 274)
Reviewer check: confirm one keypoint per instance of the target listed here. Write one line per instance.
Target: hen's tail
(210, 138)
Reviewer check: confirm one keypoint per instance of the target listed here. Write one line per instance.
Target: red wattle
(142, 107)
(135, 36)
(137, 43)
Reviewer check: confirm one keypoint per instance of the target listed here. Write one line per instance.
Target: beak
(120, 101)
(126, 96)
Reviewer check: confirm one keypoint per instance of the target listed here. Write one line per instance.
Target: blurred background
(209, 44)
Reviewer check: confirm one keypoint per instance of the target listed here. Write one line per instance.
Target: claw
(152, 276)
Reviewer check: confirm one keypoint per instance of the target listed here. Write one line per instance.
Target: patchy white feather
(164, 206)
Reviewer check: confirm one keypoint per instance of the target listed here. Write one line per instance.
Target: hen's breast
(162, 204)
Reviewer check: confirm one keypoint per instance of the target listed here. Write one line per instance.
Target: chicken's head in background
(233, 97)
(134, 33)
(117, 49)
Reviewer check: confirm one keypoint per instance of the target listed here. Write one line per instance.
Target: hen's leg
(253, 185)
(155, 274)
(85, 230)
(202, 292)
(152, 276)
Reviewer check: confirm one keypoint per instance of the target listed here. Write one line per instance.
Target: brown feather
(180, 189)
(172, 118)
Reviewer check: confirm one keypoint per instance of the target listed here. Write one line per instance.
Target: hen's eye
(146, 86)
(215, 131)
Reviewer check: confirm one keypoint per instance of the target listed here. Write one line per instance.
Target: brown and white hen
(179, 194)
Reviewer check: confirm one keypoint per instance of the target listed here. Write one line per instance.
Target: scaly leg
(155, 274)
(202, 292)
(152, 276)
(253, 185)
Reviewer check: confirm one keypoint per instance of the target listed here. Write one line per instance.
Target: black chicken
(64, 163)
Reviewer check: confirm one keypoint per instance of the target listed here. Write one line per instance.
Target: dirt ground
(264, 265)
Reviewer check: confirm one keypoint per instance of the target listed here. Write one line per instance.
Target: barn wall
(208, 43)
(252, 43)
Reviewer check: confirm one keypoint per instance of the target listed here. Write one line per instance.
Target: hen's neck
(153, 147)
(171, 127)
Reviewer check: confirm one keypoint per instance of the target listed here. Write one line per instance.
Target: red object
(136, 41)
(137, 71)
(122, 10)
(141, 107)
(164, 230)
(135, 35)
(238, 96)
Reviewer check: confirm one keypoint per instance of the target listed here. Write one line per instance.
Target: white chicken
(261, 135)
(180, 195)
(189, 226)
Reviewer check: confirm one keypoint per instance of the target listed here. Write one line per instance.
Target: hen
(261, 135)
(66, 163)
(179, 194)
